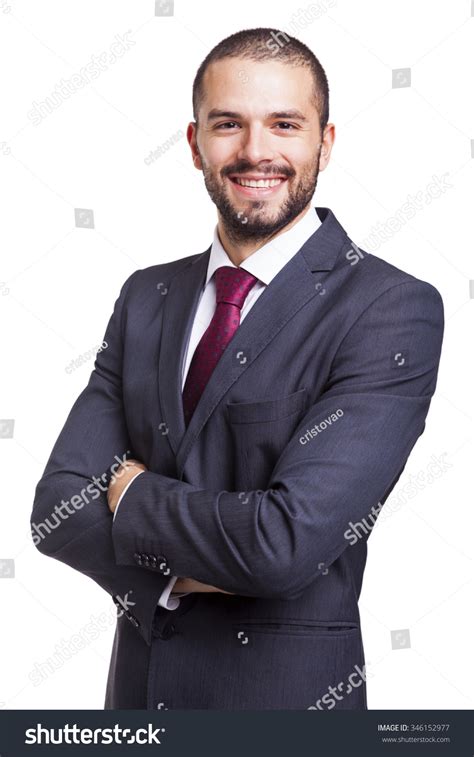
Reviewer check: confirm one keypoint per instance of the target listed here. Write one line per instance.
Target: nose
(255, 145)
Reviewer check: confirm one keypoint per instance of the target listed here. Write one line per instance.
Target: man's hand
(190, 584)
(125, 472)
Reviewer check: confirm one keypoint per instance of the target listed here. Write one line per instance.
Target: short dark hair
(264, 44)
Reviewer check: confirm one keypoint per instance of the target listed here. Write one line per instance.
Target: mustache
(244, 167)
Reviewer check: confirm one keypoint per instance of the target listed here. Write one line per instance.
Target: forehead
(240, 84)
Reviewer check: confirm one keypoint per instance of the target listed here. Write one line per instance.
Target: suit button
(146, 559)
(153, 561)
(168, 632)
(138, 558)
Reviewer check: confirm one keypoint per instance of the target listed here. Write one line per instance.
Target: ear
(191, 134)
(329, 136)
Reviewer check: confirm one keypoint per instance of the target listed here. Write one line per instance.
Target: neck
(240, 250)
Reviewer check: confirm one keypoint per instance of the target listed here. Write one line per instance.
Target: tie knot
(233, 285)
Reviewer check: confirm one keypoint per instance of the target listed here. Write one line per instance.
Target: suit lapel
(287, 293)
(180, 306)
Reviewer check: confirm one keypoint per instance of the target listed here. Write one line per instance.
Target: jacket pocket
(267, 410)
(299, 627)
(260, 432)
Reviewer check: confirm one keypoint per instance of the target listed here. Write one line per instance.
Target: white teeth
(258, 183)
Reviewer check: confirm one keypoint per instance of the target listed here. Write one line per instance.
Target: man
(255, 402)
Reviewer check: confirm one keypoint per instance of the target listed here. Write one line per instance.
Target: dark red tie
(232, 287)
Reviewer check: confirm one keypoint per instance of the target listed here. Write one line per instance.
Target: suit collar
(288, 292)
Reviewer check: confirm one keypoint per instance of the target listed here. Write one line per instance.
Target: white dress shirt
(264, 264)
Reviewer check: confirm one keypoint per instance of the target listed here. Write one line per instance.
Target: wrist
(121, 479)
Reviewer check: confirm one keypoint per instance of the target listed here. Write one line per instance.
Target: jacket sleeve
(343, 459)
(70, 520)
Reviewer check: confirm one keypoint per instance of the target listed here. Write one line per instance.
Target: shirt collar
(268, 260)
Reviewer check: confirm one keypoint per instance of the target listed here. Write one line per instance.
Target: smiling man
(260, 136)
(269, 392)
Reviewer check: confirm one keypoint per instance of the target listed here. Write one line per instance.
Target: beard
(253, 223)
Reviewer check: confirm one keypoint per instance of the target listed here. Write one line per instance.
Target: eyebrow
(294, 115)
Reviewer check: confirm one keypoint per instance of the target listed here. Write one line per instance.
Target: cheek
(300, 155)
(219, 153)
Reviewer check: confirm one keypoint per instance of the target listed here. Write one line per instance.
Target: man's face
(258, 143)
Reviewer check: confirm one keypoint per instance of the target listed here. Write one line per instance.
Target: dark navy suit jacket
(302, 430)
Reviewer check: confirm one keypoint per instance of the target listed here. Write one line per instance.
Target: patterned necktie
(232, 287)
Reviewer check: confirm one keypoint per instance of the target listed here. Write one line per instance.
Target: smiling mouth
(254, 186)
(257, 183)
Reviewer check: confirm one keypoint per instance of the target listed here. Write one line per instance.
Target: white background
(59, 284)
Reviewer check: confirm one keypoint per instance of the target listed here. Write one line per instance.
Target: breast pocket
(260, 431)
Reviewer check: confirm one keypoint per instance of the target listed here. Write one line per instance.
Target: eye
(286, 126)
(226, 125)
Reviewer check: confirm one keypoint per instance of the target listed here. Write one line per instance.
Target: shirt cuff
(125, 491)
(169, 603)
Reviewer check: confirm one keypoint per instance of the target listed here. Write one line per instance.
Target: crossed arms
(125, 473)
(268, 543)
